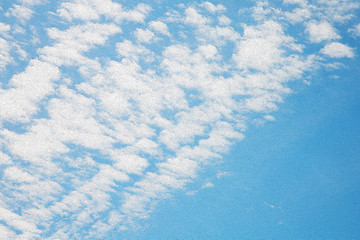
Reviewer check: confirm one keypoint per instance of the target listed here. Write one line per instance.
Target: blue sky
(179, 120)
(294, 178)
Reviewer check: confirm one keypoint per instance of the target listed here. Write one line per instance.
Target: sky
(179, 119)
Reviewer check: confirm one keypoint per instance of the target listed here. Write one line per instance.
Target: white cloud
(21, 52)
(207, 185)
(208, 51)
(262, 47)
(4, 27)
(337, 50)
(337, 10)
(222, 174)
(34, 147)
(4, 159)
(6, 232)
(17, 222)
(160, 27)
(269, 118)
(180, 167)
(71, 43)
(129, 163)
(300, 2)
(320, 31)
(133, 52)
(17, 175)
(217, 35)
(5, 57)
(258, 54)
(194, 17)
(191, 193)
(261, 10)
(93, 9)
(331, 11)
(28, 88)
(78, 11)
(204, 186)
(144, 35)
(224, 20)
(212, 8)
(298, 15)
(18, 30)
(21, 12)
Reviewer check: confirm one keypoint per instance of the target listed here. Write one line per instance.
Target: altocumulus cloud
(117, 108)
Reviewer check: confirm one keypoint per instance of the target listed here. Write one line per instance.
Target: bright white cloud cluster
(94, 9)
(337, 50)
(118, 109)
(213, 8)
(160, 27)
(321, 31)
(4, 28)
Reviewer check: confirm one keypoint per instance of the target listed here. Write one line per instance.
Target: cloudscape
(115, 114)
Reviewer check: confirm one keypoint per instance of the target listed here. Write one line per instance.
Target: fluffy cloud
(337, 50)
(144, 35)
(4, 159)
(213, 8)
(262, 48)
(320, 31)
(17, 175)
(298, 15)
(194, 17)
(4, 27)
(223, 20)
(94, 9)
(28, 88)
(160, 27)
(21, 12)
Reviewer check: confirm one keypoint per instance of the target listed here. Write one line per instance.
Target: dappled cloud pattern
(117, 108)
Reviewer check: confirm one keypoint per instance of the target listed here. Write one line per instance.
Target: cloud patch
(321, 31)
(337, 50)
